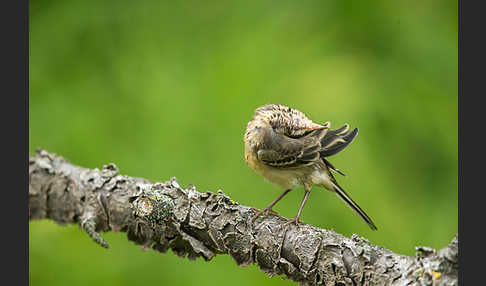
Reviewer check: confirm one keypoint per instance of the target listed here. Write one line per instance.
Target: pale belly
(289, 178)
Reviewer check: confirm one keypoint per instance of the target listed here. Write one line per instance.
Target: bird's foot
(294, 220)
(265, 210)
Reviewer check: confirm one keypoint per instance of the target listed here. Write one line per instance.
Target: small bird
(288, 149)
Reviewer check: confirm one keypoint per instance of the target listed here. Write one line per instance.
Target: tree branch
(166, 216)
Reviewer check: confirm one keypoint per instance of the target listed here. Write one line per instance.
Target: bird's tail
(354, 206)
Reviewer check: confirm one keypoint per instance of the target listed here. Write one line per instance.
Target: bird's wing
(281, 151)
(331, 166)
(336, 140)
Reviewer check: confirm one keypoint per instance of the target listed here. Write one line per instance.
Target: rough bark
(192, 224)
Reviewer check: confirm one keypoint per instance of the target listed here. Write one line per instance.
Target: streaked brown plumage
(288, 149)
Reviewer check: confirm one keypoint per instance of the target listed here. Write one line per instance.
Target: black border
(14, 23)
(471, 115)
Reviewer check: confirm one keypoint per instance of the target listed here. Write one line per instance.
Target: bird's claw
(266, 210)
(294, 220)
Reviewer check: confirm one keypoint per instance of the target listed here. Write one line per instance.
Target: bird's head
(284, 120)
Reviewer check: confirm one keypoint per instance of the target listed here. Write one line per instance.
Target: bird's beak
(324, 126)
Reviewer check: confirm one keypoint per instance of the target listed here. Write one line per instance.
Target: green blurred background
(166, 88)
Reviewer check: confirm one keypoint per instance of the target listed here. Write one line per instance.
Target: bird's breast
(286, 178)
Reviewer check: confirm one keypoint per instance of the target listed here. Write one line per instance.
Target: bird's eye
(278, 129)
(299, 133)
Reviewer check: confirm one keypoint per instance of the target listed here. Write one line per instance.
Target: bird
(288, 149)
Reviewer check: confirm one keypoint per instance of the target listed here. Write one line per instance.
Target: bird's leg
(270, 206)
(295, 220)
